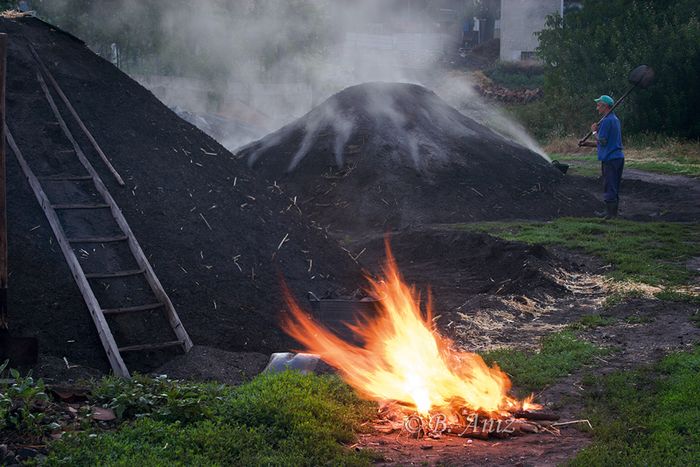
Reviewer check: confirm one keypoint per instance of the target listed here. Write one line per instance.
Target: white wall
(520, 19)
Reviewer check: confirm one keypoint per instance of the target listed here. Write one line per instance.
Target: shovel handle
(619, 101)
(582, 141)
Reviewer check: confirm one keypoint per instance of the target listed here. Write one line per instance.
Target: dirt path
(646, 196)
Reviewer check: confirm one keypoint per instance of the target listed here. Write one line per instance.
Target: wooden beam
(3, 191)
(65, 178)
(80, 206)
(115, 238)
(110, 275)
(160, 345)
(131, 309)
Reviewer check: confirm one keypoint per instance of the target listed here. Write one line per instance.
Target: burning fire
(404, 358)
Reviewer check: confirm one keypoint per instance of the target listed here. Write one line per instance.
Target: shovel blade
(642, 76)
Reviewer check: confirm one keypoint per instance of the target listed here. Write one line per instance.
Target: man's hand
(594, 127)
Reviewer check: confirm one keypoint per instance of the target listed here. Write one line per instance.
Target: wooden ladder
(98, 313)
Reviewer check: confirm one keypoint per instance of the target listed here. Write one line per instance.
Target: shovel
(20, 351)
(641, 77)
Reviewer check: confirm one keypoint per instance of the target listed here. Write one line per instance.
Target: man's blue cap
(605, 99)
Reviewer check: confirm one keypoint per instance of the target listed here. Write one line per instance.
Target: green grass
(650, 252)
(281, 419)
(668, 156)
(695, 317)
(586, 165)
(591, 322)
(560, 354)
(676, 296)
(615, 298)
(636, 319)
(646, 417)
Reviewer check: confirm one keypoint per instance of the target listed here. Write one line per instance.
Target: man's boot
(603, 213)
(611, 210)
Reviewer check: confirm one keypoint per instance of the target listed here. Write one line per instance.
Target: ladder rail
(103, 330)
(75, 115)
(137, 252)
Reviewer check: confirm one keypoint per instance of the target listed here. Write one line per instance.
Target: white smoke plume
(256, 65)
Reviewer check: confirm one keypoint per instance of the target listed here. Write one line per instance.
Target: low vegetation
(517, 75)
(591, 322)
(560, 354)
(281, 419)
(646, 417)
(652, 252)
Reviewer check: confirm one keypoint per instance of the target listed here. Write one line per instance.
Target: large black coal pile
(384, 155)
(218, 238)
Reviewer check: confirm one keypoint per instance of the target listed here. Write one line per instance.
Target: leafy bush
(22, 403)
(159, 397)
(591, 52)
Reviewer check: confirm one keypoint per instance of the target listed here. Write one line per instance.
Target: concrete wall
(520, 19)
(411, 49)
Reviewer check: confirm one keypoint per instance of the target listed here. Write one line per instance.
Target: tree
(591, 51)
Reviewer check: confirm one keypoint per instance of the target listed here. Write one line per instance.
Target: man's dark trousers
(612, 175)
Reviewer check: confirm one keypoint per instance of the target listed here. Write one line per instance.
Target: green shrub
(159, 397)
(21, 404)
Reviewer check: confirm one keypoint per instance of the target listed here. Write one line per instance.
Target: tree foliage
(591, 52)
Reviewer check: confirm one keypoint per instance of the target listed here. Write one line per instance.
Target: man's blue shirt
(610, 138)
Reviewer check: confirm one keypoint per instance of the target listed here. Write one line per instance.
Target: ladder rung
(107, 275)
(61, 178)
(116, 238)
(80, 206)
(160, 345)
(131, 309)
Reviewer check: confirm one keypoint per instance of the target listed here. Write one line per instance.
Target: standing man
(609, 143)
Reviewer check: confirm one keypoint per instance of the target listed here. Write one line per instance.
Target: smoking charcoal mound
(218, 238)
(390, 155)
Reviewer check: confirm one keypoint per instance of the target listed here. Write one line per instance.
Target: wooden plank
(131, 309)
(116, 238)
(103, 330)
(3, 200)
(109, 275)
(65, 178)
(134, 246)
(160, 345)
(80, 206)
(75, 115)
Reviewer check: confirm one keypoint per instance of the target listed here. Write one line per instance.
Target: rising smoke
(240, 69)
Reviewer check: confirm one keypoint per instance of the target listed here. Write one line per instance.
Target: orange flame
(403, 358)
